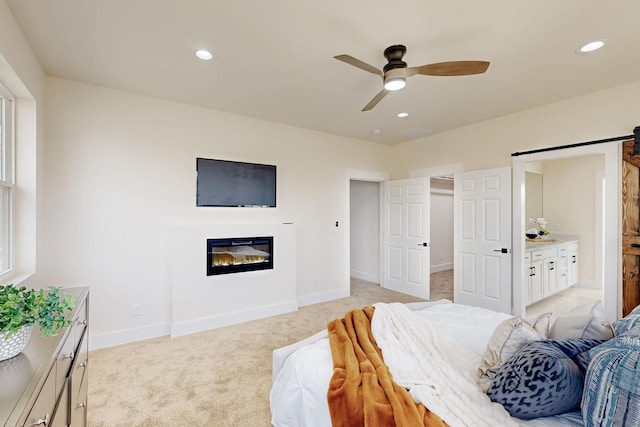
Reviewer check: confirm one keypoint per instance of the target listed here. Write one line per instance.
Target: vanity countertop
(536, 244)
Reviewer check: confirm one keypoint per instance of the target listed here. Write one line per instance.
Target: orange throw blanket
(361, 390)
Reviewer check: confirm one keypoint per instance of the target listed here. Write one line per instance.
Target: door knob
(425, 244)
(502, 250)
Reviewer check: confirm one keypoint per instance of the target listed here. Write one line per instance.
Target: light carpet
(220, 377)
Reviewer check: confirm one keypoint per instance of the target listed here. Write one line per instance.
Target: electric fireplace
(238, 254)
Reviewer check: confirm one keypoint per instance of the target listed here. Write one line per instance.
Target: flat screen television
(235, 184)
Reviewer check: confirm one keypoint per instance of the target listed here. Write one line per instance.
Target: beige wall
(603, 114)
(569, 199)
(120, 171)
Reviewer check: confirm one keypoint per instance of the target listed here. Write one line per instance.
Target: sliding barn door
(630, 228)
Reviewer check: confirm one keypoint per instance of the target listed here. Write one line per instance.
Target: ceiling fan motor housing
(394, 55)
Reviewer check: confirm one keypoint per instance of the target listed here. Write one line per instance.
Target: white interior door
(406, 248)
(482, 239)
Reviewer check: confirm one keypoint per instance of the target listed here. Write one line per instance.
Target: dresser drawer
(42, 411)
(80, 325)
(79, 406)
(64, 361)
(78, 374)
(61, 416)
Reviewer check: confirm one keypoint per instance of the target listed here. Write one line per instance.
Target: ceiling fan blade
(453, 68)
(375, 100)
(357, 63)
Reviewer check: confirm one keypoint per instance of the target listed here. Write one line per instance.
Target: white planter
(13, 346)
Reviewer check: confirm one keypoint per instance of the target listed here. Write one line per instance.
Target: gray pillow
(544, 378)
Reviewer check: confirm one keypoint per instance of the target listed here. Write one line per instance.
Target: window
(6, 177)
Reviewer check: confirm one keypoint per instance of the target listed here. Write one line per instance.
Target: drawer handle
(82, 405)
(83, 322)
(69, 356)
(42, 421)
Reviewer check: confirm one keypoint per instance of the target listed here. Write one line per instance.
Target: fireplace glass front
(240, 254)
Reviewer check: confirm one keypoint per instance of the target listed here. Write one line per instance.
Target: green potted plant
(21, 308)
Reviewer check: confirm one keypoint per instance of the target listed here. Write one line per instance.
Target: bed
(477, 344)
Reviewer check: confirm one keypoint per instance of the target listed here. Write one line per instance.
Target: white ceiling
(275, 58)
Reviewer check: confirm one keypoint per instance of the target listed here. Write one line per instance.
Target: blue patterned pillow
(628, 322)
(544, 378)
(612, 384)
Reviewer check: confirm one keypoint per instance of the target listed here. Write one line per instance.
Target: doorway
(567, 190)
(364, 230)
(366, 234)
(441, 237)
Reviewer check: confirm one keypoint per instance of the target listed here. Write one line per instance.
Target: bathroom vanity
(551, 266)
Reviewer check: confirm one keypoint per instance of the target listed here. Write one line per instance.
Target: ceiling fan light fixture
(395, 83)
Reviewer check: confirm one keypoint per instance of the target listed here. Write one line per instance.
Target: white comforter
(302, 371)
(437, 371)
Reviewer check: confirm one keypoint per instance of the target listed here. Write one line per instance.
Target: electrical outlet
(137, 309)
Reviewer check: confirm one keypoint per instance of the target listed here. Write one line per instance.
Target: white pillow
(540, 323)
(586, 321)
(507, 339)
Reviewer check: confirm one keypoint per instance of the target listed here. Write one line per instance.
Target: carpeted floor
(220, 377)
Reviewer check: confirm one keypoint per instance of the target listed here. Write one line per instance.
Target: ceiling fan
(395, 72)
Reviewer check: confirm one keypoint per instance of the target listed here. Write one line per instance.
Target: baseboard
(127, 336)
(442, 267)
(360, 275)
(227, 319)
(323, 297)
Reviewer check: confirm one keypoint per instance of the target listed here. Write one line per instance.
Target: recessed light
(205, 55)
(403, 115)
(591, 46)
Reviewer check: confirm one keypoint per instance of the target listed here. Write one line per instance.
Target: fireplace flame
(237, 255)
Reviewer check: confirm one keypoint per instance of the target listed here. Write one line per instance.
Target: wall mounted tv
(235, 184)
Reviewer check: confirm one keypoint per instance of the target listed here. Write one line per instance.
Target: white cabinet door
(574, 264)
(536, 274)
(563, 264)
(550, 276)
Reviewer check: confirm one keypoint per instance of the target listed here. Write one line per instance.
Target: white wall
(441, 230)
(365, 230)
(21, 73)
(120, 172)
(200, 302)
